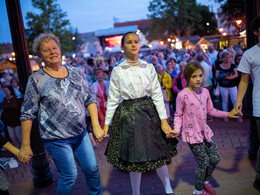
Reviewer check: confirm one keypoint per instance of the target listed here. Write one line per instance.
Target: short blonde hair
(43, 38)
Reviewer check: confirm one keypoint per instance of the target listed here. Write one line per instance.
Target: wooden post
(42, 176)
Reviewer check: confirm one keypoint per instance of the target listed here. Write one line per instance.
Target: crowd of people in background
(221, 78)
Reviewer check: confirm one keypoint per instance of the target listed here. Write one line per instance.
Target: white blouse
(130, 80)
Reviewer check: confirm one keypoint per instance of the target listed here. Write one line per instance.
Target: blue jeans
(64, 152)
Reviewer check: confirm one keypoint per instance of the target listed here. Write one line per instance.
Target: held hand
(106, 127)
(99, 133)
(238, 107)
(25, 154)
(229, 77)
(173, 134)
(233, 114)
(168, 130)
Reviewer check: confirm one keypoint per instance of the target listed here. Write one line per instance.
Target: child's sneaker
(209, 189)
(203, 193)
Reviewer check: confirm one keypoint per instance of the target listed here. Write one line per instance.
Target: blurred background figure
(11, 116)
(166, 85)
(227, 75)
(100, 88)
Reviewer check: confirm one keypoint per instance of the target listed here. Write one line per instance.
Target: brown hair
(190, 68)
(124, 36)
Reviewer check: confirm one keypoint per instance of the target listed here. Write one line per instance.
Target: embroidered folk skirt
(137, 142)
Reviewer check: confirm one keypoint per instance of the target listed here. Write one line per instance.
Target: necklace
(196, 96)
(133, 63)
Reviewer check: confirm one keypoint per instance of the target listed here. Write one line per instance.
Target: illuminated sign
(113, 41)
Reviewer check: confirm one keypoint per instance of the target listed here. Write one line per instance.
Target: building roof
(204, 41)
(116, 31)
(195, 37)
(142, 24)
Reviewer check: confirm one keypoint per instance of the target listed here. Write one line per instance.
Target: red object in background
(113, 41)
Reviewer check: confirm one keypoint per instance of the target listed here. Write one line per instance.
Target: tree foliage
(50, 18)
(180, 18)
(233, 10)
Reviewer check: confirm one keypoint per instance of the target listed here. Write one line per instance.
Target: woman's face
(238, 59)
(227, 59)
(14, 83)
(182, 67)
(100, 76)
(169, 65)
(7, 92)
(50, 53)
(131, 45)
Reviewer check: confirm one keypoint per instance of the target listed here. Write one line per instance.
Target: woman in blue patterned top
(59, 95)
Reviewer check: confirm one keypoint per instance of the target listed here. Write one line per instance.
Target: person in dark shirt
(11, 111)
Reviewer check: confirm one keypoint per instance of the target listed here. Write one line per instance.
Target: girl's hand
(168, 130)
(233, 114)
(106, 127)
(173, 134)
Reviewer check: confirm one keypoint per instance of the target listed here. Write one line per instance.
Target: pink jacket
(191, 117)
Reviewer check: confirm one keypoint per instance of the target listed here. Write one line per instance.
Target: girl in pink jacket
(193, 105)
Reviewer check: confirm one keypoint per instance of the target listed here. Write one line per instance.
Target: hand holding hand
(233, 114)
(168, 130)
(99, 133)
(173, 134)
(25, 154)
(238, 107)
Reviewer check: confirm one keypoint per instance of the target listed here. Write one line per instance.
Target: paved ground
(233, 176)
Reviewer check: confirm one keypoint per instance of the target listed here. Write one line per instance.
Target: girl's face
(196, 79)
(131, 46)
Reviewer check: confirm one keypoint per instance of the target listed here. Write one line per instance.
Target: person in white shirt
(139, 130)
(250, 66)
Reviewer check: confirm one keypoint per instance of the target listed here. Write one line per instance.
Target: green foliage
(49, 19)
(180, 18)
(233, 10)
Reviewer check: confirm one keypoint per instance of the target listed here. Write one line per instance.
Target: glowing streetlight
(161, 42)
(73, 38)
(207, 23)
(238, 22)
(169, 39)
(224, 33)
(221, 30)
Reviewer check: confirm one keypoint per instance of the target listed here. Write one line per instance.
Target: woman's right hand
(25, 154)
(106, 127)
